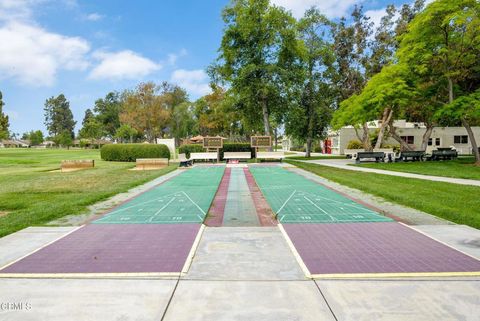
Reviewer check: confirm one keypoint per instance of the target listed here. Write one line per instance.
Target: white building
(412, 133)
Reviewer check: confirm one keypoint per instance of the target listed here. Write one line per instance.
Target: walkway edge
(193, 250)
(297, 256)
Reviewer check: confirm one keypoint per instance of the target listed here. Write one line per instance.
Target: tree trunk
(367, 145)
(473, 141)
(276, 141)
(266, 120)
(308, 150)
(393, 132)
(426, 136)
(387, 115)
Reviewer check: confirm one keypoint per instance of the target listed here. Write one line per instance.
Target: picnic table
(413, 155)
(378, 156)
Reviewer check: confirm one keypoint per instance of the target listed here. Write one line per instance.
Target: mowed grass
(30, 194)
(461, 168)
(456, 203)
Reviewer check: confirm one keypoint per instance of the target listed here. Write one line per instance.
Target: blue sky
(85, 49)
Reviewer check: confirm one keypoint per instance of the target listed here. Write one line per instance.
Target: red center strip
(264, 212)
(215, 214)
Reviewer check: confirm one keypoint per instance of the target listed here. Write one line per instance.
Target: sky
(85, 49)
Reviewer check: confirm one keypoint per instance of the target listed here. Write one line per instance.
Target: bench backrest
(203, 155)
(82, 163)
(384, 150)
(413, 153)
(182, 157)
(445, 152)
(370, 154)
(243, 155)
(273, 155)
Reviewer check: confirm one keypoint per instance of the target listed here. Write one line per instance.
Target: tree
(108, 112)
(4, 123)
(88, 116)
(92, 130)
(254, 59)
(144, 110)
(182, 121)
(64, 139)
(308, 118)
(58, 116)
(35, 137)
(443, 46)
(126, 133)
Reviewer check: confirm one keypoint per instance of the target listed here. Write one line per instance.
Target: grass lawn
(32, 195)
(460, 168)
(316, 157)
(456, 203)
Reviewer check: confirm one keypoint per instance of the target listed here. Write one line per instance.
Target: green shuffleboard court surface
(296, 199)
(185, 198)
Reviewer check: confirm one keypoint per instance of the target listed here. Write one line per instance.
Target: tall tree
(443, 46)
(107, 112)
(4, 123)
(254, 57)
(35, 137)
(58, 116)
(88, 116)
(308, 118)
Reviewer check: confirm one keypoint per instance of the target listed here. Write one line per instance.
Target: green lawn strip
(461, 168)
(32, 195)
(315, 157)
(456, 203)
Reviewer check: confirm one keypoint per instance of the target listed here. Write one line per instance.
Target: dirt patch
(4, 213)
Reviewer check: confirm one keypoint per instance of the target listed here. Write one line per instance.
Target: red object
(327, 146)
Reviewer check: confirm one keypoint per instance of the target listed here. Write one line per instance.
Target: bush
(298, 148)
(190, 148)
(130, 152)
(237, 147)
(317, 149)
(354, 144)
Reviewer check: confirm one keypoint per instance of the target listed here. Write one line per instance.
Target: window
(463, 139)
(437, 141)
(408, 139)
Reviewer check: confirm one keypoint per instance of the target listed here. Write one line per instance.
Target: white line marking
(193, 249)
(343, 203)
(292, 247)
(285, 203)
(163, 207)
(203, 212)
(321, 209)
(129, 207)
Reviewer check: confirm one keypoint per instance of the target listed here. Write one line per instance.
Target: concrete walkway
(238, 273)
(344, 164)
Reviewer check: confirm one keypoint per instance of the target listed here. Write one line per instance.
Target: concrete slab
(84, 300)
(461, 237)
(449, 299)
(21, 243)
(239, 207)
(244, 253)
(247, 301)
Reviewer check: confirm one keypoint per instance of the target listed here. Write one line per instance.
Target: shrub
(317, 149)
(130, 152)
(190, 148)
(237, 147)
(298, 148)
(354, 144)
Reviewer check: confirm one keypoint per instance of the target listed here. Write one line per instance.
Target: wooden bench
(378, 156)
(73, 165)
(184, 161)
(151, 163)
(444, 154)
(389, 153)
(237, 155)
(352, 153)
(203, 156)
(271, 155)
(413, 155)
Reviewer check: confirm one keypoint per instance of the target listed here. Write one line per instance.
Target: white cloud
(32, 55)
(331, 8)
(173, 57)
(94, 16)
(194, 81)
(124, 64)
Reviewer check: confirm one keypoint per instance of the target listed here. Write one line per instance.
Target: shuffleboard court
(296, 199)
(185, 198)
(382, 249)
(111, 249)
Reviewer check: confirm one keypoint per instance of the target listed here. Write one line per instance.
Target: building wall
(445, 134)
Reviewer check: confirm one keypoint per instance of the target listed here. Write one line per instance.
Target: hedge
(227, 147)
(130, 152)
(190, 148)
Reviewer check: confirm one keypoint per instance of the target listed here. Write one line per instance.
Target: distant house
(46, 144)
(15, 143)
(90, 143)
(412, 133)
